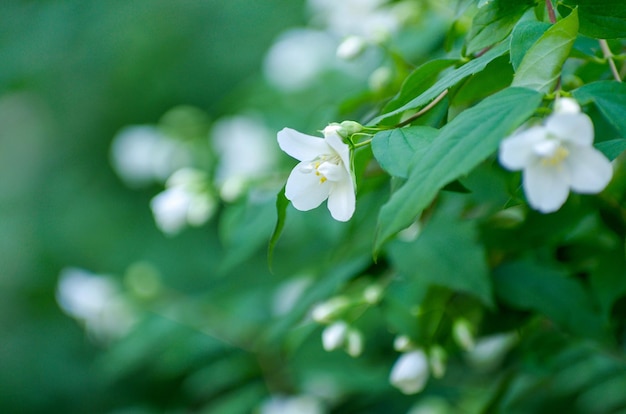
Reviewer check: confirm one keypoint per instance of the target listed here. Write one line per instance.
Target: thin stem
(423, 110)
(609, 57)
(551, 13)
(362, 144)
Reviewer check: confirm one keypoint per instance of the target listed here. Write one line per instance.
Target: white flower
(184, 202)
(354, 343)
(298, 404)
(327, 311)
(351, 47)
(566, 106)
(556, 157)
(323, 172)
(410, 372)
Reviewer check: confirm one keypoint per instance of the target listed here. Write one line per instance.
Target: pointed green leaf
(393, 149)
(446, 253)
(494, 22)
(524, 35)
(541, 66)
(613, 148)
(449, 80)
(462, 144)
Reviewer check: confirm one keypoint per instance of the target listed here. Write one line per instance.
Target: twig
(609, 57)
(423, 110)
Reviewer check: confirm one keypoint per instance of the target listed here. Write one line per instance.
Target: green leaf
(494, 22)
(462, 144)
(393, 149)
(524, 35)
(613, 148)
(610, 98)
(446, 253)
(601, 19)
(281, 212)
(541, 66)
(529, 286)
(450, 79)
(418, 81)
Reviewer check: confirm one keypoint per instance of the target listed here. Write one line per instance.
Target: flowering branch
(423, 110)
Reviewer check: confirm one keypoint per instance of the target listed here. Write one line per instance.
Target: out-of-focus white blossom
(556, 157)
(566, 106)
(372, 294)
(185, 201)
(96, 302)
(351, 47)
(380, 78)
(410, 372)
(373, 20)
(462, 332)
(142, 155)
(245, 148)
(298, 57)
(437, 358)
(299, 404)
(402, 343)
(354, 342)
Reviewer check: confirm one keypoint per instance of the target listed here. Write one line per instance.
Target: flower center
(551, 152)
(327, 167)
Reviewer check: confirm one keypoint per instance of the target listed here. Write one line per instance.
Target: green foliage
(600, 19)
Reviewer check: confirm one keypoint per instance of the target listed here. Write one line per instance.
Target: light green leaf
(613, 148)
(449, 80)
(541, 66)
(604, 19)
(529, 286)
(494, 22)
(462, 144)
(447, 254)
(393, 149)
(524, 35)
(610, 98)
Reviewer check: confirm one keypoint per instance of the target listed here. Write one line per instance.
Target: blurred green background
(72, 74)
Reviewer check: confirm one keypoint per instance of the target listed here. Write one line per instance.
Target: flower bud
(410, 372)
(437, 359)
(351, 127)
(327, 311)
(351, 47)
(354, 345)
(566, 106)
(372, 294)
(334, 335)
(402, 343)
(462, 334)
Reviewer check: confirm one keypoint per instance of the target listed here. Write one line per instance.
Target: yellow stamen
(559, 155)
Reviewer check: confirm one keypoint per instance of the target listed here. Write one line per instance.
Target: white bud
(351, 127)
(402, 343)
(410, 372)
(334, 336)
(372, 294)
(354, 345)
(325, 312)
(566, 106)
(462, 334)
(437, 359)
(351, 47)
(491, 350)
(380, 78)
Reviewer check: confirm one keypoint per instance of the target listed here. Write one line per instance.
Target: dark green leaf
(541, 66)
(494, 22)
(393, 149)
(613, 148)
(462, 144)
(610, 98)
(550, 292)
(281, 212)
(449, 80)
(524, 35)
(446, 253)
(601, 19)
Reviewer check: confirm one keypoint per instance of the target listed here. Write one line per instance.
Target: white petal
(332, 172)
(516, 151)
(589, 169)
(333, 336)
(546, 187)
(342, 200)
(410, 372)
(566, 106)
(343, 150)
(301, 146)
(304, 190)
(576, 128)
